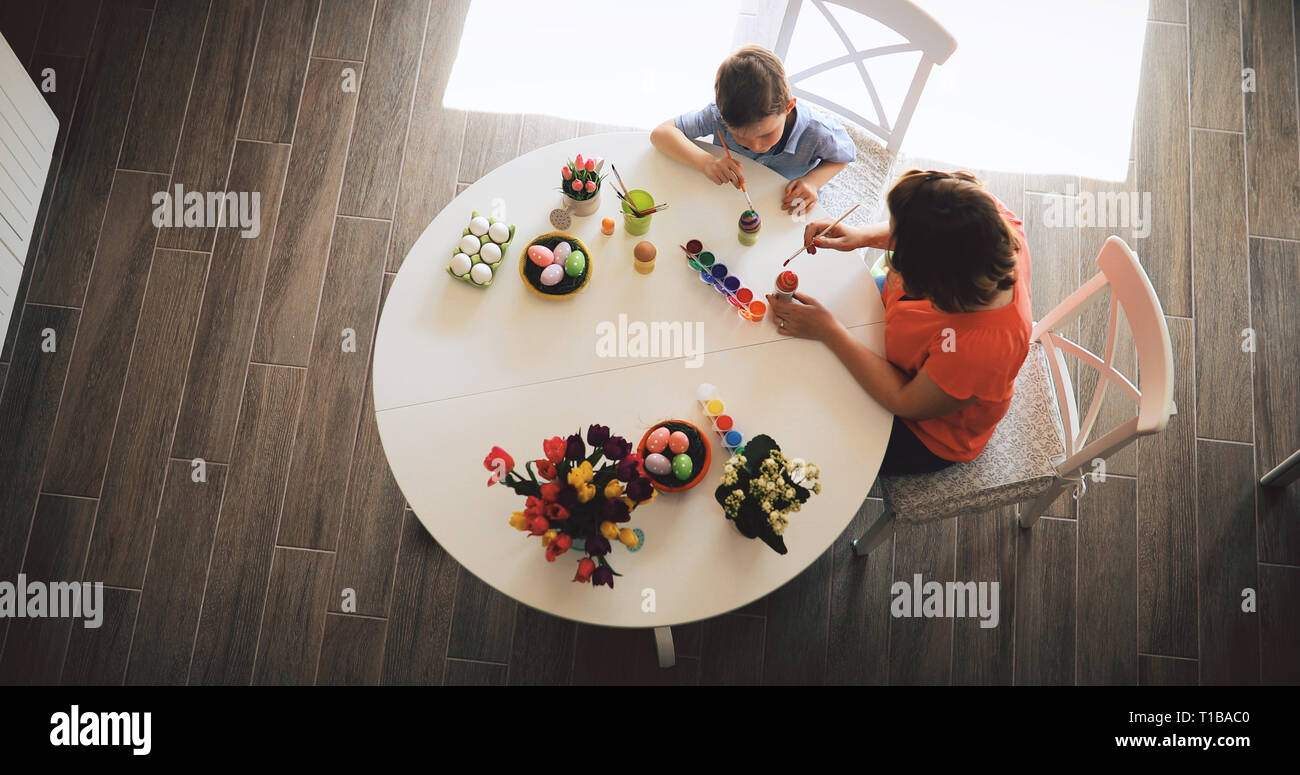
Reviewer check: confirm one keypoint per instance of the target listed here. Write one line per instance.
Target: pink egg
(541, 255)
(657, 440)
(678, 442)
(657, 464)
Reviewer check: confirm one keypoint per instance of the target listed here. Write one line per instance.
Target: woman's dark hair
(950, 243)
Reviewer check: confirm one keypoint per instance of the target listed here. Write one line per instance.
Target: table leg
(1286, 472)
(876, 534)
(664, 645)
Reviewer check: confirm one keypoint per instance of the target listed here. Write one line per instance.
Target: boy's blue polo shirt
(814, 138)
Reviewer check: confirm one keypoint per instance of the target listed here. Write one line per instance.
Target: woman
(957, 317)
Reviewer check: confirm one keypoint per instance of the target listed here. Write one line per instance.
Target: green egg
(683, 467)
(575, 263)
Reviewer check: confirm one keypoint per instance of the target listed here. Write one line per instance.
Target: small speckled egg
(658, 465)
(499, 232)
(552, 275)
(469, 244)
(491, 252)
(575, 264)
(541, 255)
(481, 274)
(657, 440)
(478, 226)
(562, 252)
(678, 442)
(460, 264)
(683, 467)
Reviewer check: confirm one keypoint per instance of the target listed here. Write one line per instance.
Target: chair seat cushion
(1018, 464)
(866, 181)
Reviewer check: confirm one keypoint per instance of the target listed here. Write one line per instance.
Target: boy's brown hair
(750, 86)
(949, 240)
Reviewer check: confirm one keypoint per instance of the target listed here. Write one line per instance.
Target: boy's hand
(841, 237)
(723, 170)
(799, 196)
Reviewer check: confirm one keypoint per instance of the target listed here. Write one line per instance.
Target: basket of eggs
(675, 455)
(555, 265)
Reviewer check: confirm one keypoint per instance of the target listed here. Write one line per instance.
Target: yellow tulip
(628, 538)
(518, 521)
(548, 537)
(613, 489)
(581, 475)
(586, 492)
(609, 530)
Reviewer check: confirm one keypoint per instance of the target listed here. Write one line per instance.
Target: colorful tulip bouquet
(761, 488)
(581, 178)
(573, 504)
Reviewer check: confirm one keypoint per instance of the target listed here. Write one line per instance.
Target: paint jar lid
(733, 438)
(694, 247)
(705, 391)
(723, 422)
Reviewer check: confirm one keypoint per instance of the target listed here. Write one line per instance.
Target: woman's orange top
(966, 354)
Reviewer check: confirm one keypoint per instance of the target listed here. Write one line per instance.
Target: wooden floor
(174, 344)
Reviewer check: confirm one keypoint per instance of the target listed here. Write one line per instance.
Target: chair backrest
(917, 28)
(1130, 289)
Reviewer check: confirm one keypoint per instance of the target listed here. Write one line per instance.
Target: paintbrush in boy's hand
(727, 151)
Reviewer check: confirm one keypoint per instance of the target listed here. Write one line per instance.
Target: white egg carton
(481, 245)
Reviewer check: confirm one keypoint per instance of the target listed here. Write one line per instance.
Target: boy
(756, 116)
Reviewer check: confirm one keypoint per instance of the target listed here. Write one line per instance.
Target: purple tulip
(603, 575)
(575, 451)
(597, 435)
(598, 546)
(617, 448)
(567, 497)
(627, 469)
(613, 511)
(639, 489)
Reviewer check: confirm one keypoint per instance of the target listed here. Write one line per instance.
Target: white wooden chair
(1040, 449)
(878, 138)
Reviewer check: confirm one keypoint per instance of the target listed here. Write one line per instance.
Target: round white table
(459, 369)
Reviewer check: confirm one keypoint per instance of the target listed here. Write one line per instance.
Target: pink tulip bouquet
(580, 179)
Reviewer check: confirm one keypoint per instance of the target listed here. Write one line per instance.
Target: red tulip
(585, 568)
(550, 491)
(559, 546)
(554, 449)
(577, 185)
(590, 166)
(545, 468)
(538, 525)
(556, 513)
(591, 186)
(499, 462)
(578, 161)
(565, 172)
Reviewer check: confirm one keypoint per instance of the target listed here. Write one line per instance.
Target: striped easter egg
(750, 223)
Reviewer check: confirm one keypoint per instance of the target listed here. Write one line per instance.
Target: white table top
(459, 369)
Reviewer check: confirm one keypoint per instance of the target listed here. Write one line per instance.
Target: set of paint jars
(716, 410)
(716, 275)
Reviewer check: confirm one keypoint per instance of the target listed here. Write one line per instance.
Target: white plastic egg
(469, 244)
(460, 264)
(491, 252)
(562, 252)
(481, 274)
(552, 274)
(499, 232)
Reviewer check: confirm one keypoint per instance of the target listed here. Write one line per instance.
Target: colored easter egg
(657, 440)
(491, 252)
(657, 464)
(460, 264)
(552, 274)
(478, 226)
(678, 442)
(541, 255)
(499, 232)
(683, 467)
(750, 223)
(575, 264)
(469, 244)
(562, 252)
(481, 274)
(644, 251)
(607, 226)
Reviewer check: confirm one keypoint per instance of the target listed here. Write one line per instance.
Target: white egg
(460, 264)
(469, 244)
(491, 252)
(478, 226)
(499, 232)
(658, 464)
(481, 274)
(552, 274)
(562, 252)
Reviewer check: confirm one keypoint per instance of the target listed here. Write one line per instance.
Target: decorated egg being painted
(481, 274)
(658, 465)
(469, 244)
(683, 467)
(562, 252)
(678, 442)
(658, 440)
(750, 223)
(575, 264)
(491, 252)
(499, 232)
(478, 226)
(460, 264)
(552, 274)
(541, 255)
